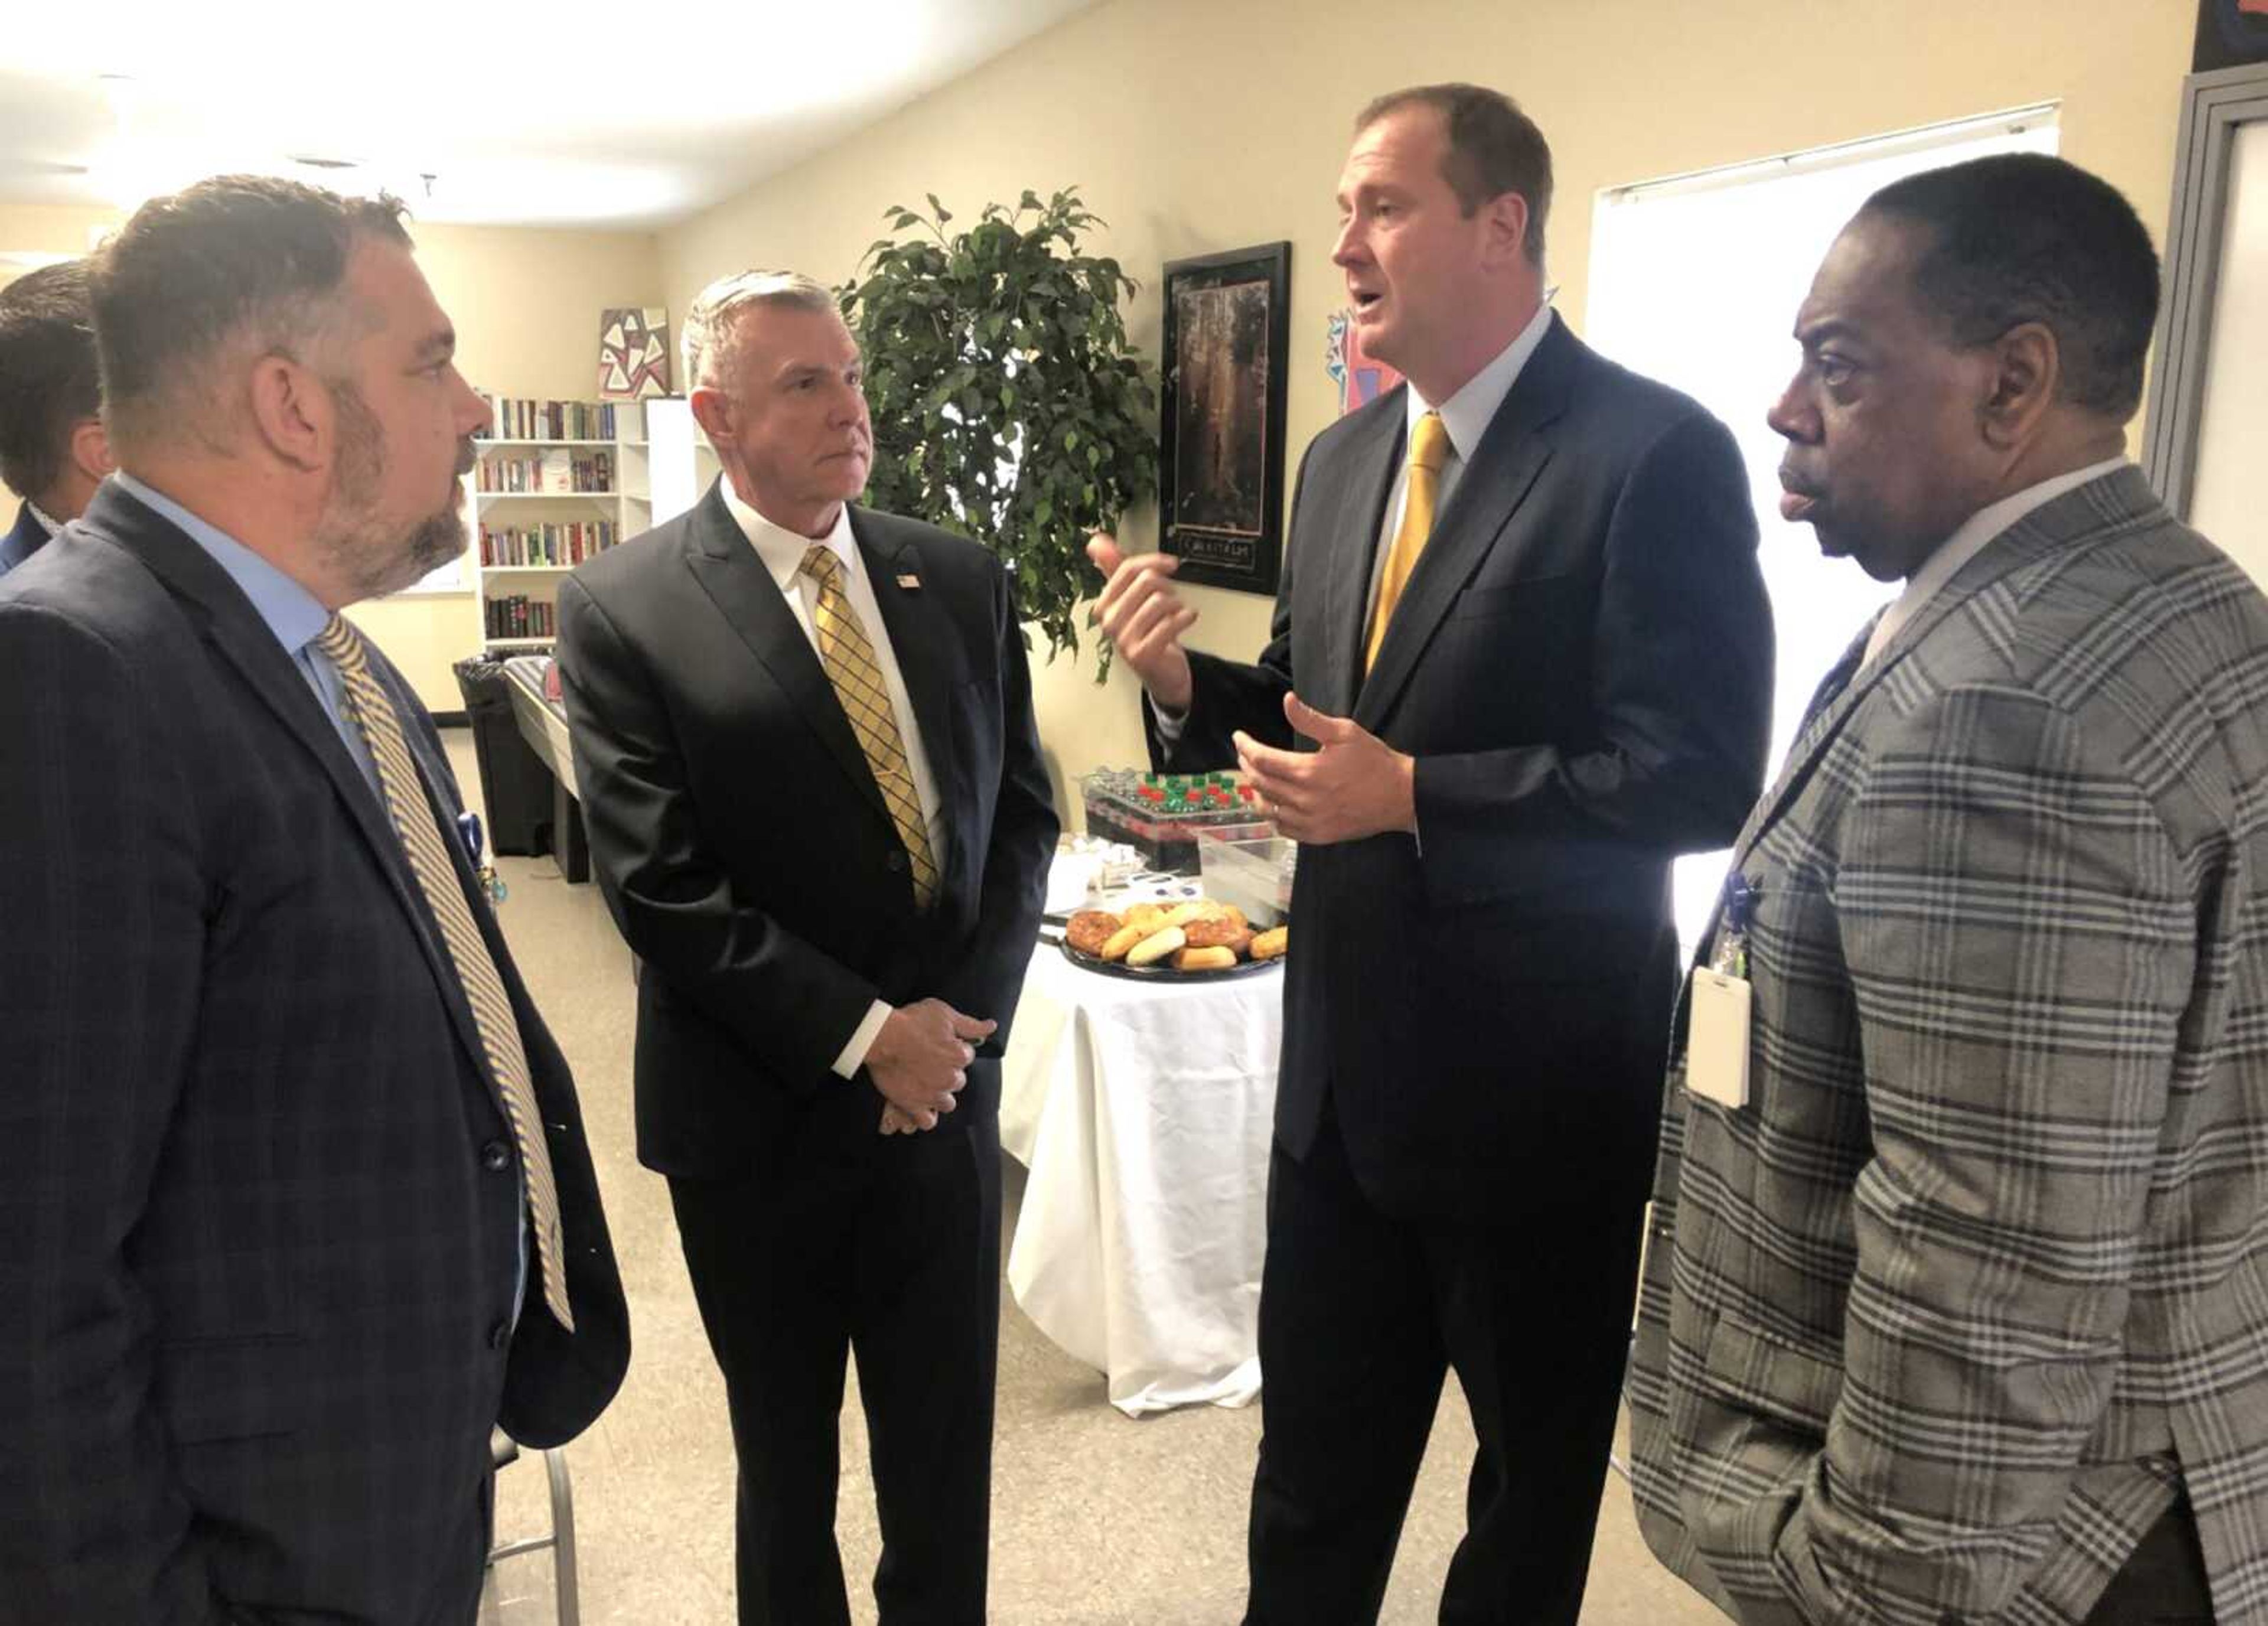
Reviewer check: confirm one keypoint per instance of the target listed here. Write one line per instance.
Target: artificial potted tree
(1007, 404)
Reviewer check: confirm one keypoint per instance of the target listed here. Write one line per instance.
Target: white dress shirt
(1967, 542)
(1466, 415)
(782, 553)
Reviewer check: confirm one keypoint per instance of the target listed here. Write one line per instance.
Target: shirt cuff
(862, 1038)
(1169, 724)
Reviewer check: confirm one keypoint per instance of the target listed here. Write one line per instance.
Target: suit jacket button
(496, 1157)
(897, 863)
(499, 1335)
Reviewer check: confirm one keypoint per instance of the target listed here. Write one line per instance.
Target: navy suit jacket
(258, 1205)
(27, 539)
(1582, 665)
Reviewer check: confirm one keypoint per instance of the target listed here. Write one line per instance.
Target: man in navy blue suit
(1522, 660)
(53, 451)
(298, 1205)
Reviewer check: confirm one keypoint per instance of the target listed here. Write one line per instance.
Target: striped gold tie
(857, 678)
(421, 837)
(1429, 454)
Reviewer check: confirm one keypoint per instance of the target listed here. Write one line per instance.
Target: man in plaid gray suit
(1957, 1272)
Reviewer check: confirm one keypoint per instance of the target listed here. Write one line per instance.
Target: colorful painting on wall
(633, 353)
(1361, 378)
(2230, 33)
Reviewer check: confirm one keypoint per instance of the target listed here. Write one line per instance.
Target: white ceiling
(633, 114)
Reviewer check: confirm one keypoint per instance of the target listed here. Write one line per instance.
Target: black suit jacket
(746, 850)
(256, 1258)
(1581, 665)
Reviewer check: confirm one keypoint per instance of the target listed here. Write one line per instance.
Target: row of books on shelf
(544, 544)
(520, 417)
(519, 616)
(558, 471)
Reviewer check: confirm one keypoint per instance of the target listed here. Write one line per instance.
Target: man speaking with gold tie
(802, 732)
(1522, 660)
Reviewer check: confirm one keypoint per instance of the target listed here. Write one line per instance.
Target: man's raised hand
(1144, 618)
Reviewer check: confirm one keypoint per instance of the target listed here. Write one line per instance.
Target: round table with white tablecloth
(1143, 1112)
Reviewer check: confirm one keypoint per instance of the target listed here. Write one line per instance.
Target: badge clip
(1742, 896)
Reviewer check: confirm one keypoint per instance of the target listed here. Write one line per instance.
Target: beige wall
(1200, 125)
(527, 306)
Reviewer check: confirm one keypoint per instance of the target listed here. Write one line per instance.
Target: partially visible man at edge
(1956, 1301)
(52, 449)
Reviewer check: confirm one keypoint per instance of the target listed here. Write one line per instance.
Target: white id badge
(1717, 1037)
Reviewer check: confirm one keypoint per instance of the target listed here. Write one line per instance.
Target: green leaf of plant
(1007, 404)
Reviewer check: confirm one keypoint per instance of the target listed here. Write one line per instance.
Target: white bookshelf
(508, 524)
(660, 467)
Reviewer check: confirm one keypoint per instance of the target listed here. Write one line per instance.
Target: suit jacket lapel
(921, 638)
(436, 777)
(726, 565)
(929, 659)
(233, 628)
(1503, 469)
(1803, 752)
(2115, 500)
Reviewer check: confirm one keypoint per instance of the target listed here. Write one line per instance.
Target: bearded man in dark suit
(298, 1205)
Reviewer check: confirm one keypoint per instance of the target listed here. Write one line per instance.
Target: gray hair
(711, 336)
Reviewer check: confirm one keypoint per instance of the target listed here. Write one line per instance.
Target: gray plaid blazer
(1935, 1328)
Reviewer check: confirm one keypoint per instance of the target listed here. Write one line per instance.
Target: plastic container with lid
(1253, 872)
(1159, 815)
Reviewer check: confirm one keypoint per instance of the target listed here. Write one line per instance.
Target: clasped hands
(1354, 785)
(919, 1061)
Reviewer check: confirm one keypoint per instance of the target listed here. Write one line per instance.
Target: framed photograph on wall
(1220, 455)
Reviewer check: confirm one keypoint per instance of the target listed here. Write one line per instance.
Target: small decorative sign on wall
(633, 353)
(1220, 455)
(1361, 378)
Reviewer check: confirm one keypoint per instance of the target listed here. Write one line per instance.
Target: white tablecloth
(1143, 1111)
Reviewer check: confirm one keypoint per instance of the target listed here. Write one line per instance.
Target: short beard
(362, 551)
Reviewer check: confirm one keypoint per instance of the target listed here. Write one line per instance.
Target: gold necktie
(1429, 454)
(857, 678)
(421, 839)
